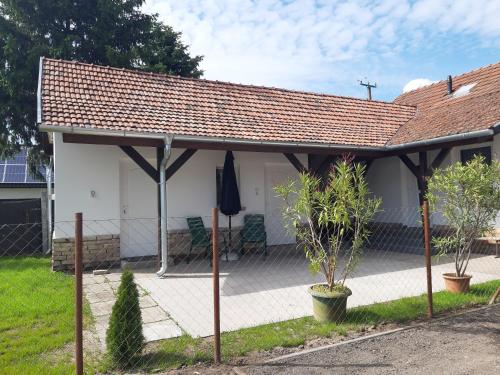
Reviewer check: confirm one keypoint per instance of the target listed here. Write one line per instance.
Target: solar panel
(16, 171)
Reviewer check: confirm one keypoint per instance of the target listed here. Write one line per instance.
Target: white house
(111, 130)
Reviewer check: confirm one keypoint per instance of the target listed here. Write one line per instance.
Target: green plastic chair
(199, 236)
(253, 232)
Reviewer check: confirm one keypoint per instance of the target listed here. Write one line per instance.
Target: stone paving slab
(161, 330)
(146, 301)
(100, 292)
(153, 314)
(101, 308)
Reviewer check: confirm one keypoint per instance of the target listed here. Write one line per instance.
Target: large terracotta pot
(456, 284)
(329, 306)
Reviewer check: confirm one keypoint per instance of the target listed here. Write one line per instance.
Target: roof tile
(91, 96)
(439, 114)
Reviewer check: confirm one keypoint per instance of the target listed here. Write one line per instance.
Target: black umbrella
(230, 196)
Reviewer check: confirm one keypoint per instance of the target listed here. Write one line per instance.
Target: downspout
(48, 177)
(163, 206)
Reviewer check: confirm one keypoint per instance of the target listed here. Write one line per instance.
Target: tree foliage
(468, 197)
(124, 338)
(105, 32)
(330, 222)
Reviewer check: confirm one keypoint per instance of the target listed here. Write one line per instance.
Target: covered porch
(191, 173)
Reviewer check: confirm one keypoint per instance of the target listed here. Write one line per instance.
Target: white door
(139, 223)
(277, 232)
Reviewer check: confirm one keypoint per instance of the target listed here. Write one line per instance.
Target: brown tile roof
(83, 95)
(440, 114)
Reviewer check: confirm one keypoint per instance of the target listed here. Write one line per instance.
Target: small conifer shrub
(124, 338)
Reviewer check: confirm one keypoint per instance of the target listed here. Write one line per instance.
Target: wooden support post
(141, 162)
(215, 271)
(428, 264)
(178, 163)
(78, 295)
(295, 162)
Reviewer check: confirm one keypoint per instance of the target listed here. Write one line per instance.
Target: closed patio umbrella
(230, 196)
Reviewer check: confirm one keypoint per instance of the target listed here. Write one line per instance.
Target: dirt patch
(463, 344)
(426, 347)
(259, 357)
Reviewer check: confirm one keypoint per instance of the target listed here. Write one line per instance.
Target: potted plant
(330, 220)
(468, 197)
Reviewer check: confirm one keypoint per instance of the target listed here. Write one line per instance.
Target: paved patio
(255, 291)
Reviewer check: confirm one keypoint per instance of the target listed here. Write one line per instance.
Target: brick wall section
(98, 252)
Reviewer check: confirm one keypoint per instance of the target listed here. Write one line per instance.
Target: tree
(330, 222)
(124, 337)
(104, 32)
(468, 197)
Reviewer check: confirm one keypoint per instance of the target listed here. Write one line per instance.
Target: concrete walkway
(255, 291)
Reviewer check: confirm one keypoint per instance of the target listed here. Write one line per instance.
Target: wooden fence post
(215, 271)
(78, 294)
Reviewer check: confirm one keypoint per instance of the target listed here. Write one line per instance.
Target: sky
(327, 46)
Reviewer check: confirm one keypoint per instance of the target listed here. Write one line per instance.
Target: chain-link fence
(264, 278)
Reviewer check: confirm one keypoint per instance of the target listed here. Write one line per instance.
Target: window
(466, 155)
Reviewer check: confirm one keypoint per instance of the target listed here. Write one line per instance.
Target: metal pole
(159, 157)
(78, 294)
(215, 270)
(427, 241)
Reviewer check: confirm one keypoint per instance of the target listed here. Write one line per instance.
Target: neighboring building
(23, 207)
(109, 128)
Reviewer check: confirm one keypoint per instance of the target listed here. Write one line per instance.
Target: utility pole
(369, 87)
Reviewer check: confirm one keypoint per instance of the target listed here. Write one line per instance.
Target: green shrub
(124, 337)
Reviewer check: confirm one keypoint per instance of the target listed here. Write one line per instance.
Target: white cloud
(316, 44)
(416, 84)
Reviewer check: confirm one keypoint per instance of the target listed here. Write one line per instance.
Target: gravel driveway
(465, 344)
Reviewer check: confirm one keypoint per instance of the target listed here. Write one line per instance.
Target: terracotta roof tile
(439, 114)
(83, 95)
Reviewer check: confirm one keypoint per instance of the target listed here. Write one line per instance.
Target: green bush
(124, 337)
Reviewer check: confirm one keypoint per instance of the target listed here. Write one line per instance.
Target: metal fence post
(215, 271)
(428, 265)
(78, 294)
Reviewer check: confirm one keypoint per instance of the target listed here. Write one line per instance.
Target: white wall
(80, 169)
(383, 177)
(21, 193)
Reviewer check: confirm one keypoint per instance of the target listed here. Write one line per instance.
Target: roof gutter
(202, 139)
(109, 133)
(493, 130)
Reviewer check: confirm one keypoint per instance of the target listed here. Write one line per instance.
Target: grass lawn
(186, 350)
(36, 317)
